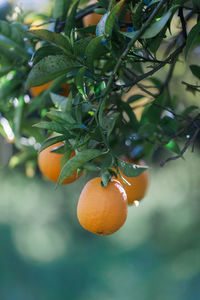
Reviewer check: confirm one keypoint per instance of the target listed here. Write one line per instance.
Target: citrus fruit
(139, 185)
(94, 18)
(102, 210)
(37, 90)
(49, 164)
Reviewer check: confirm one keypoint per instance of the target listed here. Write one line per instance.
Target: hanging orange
(49, 164)
(139, 185)
(102, 210)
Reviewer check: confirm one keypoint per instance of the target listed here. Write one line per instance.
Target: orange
(93, 18)
(49, 164)
(102, 210)
(139, 185)
(37, 90)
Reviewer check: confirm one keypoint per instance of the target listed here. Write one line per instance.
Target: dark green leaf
(48, 69)
(156, 27)
(110, 21)
(46, 51)
(194, 32)
(52, 126)
(78, 161)
(81, 45)
(71, 19)
(195, 70)
(55, 38)
(94, 50)
(51, 141)
(61, 8)
(80, 82)
(105, 178)
(130, 170)
(134, 98)
(61, 117)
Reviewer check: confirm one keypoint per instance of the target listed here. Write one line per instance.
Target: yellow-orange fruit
(37, 90)
(139, 185)
(49, 164)
(102, 210)
(94, 18)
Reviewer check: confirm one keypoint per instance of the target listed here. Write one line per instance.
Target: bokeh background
(46, 255)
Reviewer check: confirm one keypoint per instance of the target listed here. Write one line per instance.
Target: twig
(187, 144)
(130, 44)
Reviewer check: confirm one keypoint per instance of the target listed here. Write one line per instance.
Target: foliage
(100, 63)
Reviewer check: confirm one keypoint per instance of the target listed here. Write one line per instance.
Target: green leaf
(130, 170)
(107, 162)
(193, 34)
(134, 98)
(109, 122)
(129, 111)
(51, 141)
(81, 45)
(174, 147)
(46, 51)
(189, 109)
(18, 113)
(55, 38)
(105, 178)
(100, 29)
(11, 38)
(61, 8)
(65, 156)
(110, 21)
(52, 126)
(78, 161)
(59, 101)
(71, 19)
(156, 27)
(60, 117)
(94, 50)
(195, 70)
(91, 167)
(48, 69)
(80, 82)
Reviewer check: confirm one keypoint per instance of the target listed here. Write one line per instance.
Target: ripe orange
(102, 210)
(37, 90)
(93, 18)
(139, 185)
(49, 164)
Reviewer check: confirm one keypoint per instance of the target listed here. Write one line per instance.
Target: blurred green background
(46, 255)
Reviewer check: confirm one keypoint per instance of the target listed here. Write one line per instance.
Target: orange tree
(99, 63)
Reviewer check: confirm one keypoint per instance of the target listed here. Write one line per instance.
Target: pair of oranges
(101, 210)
